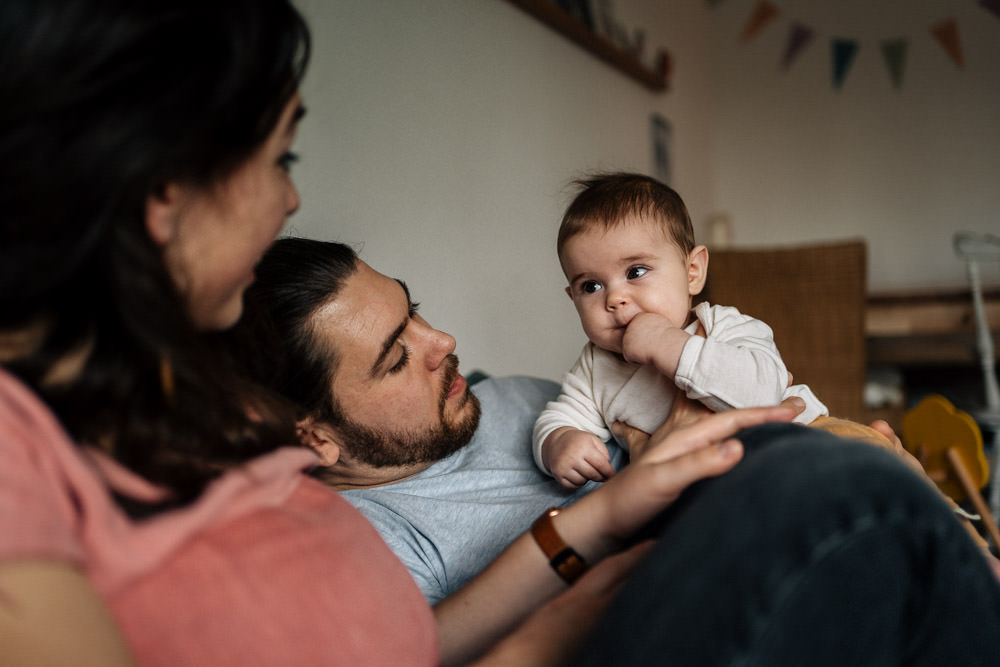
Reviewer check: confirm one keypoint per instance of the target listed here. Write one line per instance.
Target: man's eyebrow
(390, 341)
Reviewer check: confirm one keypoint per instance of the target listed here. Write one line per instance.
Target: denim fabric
(812, 551)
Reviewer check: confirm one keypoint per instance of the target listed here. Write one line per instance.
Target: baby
(626, 246)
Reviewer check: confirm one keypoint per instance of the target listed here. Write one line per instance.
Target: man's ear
(162, 213)
(697, 263)
(322, 438)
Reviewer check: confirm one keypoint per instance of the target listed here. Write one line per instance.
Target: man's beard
(382, 448)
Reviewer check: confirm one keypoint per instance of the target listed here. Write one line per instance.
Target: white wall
(796, 159)
(441, 135)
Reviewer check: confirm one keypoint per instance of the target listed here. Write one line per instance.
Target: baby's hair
(606, 199)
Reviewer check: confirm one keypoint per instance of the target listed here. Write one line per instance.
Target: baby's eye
(590, 286)
(636, 272)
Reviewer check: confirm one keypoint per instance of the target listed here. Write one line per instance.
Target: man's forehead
(368, 308)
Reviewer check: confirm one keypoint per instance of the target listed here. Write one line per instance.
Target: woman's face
(213, 237)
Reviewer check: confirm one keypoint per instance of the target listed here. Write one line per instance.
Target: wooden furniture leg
(965, 479)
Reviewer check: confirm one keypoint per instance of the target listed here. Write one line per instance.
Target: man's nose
(439, 346)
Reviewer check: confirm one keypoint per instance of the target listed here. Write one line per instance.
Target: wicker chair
(813, 297)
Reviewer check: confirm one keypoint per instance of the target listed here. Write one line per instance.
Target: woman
(150, 511)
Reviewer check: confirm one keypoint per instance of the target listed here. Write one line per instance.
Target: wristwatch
(567, 563)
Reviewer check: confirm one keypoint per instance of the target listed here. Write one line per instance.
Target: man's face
(397, 382)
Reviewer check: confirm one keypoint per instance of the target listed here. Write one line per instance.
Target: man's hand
(683, 412)
(573, 457)
(671, 460)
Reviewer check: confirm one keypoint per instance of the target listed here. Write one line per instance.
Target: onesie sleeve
(576, 406)
(736, 364)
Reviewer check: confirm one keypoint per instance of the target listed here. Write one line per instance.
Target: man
(444, 471)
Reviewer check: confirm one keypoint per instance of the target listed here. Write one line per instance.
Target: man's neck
(347, 475)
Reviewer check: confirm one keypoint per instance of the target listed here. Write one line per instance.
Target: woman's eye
(636, 272)
(287, 160)
(590, 286)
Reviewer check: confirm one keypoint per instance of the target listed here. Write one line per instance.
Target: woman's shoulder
(293, 583)
(36, 489)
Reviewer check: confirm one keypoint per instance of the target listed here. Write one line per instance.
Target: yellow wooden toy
(949, 445)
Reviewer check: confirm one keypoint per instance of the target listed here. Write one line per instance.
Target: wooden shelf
(927, 328)
(549, 13)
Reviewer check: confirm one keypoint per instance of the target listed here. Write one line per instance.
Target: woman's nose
(292, 200)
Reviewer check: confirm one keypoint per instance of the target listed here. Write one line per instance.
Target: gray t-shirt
(451, 520)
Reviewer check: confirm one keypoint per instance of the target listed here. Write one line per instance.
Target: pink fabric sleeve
(267, 567)
(36, 509)
(55, 500)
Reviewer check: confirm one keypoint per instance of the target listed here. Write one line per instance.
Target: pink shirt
(268, 567)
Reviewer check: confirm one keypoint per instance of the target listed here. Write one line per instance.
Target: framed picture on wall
(660, 138)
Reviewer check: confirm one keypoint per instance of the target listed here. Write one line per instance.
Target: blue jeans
(812, 551)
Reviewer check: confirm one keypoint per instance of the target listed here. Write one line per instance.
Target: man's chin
(468, 414)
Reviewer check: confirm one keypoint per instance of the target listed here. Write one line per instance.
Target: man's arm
(520, 579)
(51, 615)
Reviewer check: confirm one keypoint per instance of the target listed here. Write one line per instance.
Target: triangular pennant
(843, 51)
(991, 5)
(763, 14)
(946, 32)
(894, 53)
(798, 36)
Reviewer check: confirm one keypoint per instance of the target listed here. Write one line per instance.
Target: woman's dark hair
(276, 339)
(104, 102)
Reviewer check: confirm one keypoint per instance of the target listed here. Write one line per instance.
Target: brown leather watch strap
(567, 563)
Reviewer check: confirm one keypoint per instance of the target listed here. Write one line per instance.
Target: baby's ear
(321, 438)
(697, 263)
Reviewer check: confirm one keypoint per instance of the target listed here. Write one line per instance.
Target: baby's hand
(574, 457)
(651, 339)
(643, 336)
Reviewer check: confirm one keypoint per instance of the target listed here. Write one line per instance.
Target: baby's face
(616, 274)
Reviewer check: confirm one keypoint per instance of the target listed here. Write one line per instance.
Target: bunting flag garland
(763, 14)
(894, 54)
(946, 33)
(844, 51)
(798, 37)
(991, 5)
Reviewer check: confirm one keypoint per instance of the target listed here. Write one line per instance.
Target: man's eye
(403, 360)
(590, 286)
(636, 272)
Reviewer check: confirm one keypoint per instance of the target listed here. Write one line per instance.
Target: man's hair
(605, 200)
(275, 341)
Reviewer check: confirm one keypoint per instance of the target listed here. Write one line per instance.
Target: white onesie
(735, 365)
